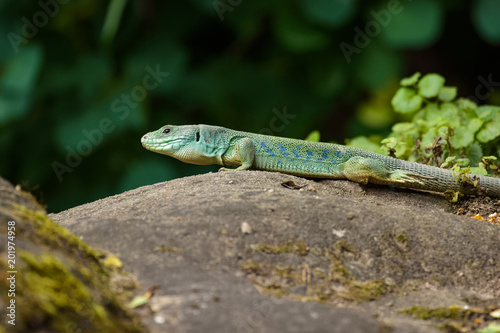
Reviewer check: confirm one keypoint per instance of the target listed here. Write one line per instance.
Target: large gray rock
(333, 256)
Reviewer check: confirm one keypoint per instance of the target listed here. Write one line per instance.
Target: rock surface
(51, 280)
(240, 252)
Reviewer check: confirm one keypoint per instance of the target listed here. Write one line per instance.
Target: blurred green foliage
(444, 130)
(81, 81)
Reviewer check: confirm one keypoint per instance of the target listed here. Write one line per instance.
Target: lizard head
(186, 143)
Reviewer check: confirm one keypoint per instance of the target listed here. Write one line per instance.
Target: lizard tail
(441, 180)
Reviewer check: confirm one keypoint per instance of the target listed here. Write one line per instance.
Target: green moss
(401, 238)
(171, 249)
(453, 318)
(433, 313)
(250, 266)
(52, 234)
(49, 292)
(61, 285)
(362, 291)
(290, 274)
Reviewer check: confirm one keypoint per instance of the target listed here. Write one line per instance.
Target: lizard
(205, 144)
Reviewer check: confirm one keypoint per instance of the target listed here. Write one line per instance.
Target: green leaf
(463, 162)
(400, 145)
(430, 85)
(447, 94)
(450, 160)
(466, 105)
(331, 13)
(490, 130)
(403, 128)
(406, 101)
(474, 153)
(462, 137)
(365, 143)
(487, 112)
(313, 136)
(447, 113)
(297, 36)
(410, 81)
(475, 124)
(18, 83)
(416, 24)
(486, 19)
(390, 142)
(478, 171)
(491, 328)
(112, 21)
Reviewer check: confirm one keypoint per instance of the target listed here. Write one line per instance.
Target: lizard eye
(166, 130)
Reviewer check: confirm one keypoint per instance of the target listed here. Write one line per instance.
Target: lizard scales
(204, 144)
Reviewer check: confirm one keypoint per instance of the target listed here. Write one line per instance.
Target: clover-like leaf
(406, 101)
(430, 85)
(313, 136)
(490, 130)
(410, 81)
(447, 94)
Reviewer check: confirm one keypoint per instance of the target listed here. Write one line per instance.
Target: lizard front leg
(242, 154)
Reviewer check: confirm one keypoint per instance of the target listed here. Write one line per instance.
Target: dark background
(70, 134)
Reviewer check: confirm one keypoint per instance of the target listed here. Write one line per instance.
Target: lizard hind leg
(368, 170)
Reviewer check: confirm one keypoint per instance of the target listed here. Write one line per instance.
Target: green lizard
(204, 144)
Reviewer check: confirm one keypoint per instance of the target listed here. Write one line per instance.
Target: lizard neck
(213, 142)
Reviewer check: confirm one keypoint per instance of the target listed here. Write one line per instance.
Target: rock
(56, 282)
(334, 256)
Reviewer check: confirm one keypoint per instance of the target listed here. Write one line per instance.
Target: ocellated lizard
(204, 144)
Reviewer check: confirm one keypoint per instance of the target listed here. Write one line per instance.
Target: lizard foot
(406, 177)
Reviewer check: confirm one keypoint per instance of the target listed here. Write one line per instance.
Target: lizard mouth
(160, 145)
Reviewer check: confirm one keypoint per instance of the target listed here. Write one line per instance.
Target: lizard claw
(400, 176)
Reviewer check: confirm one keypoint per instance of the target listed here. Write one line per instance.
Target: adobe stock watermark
(49, 9)
(484, 89)
(121, 107)
(381, 19)
(11, 272)
(279, 122)
(222, 6)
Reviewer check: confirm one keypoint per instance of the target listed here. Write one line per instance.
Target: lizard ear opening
(197, 136)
